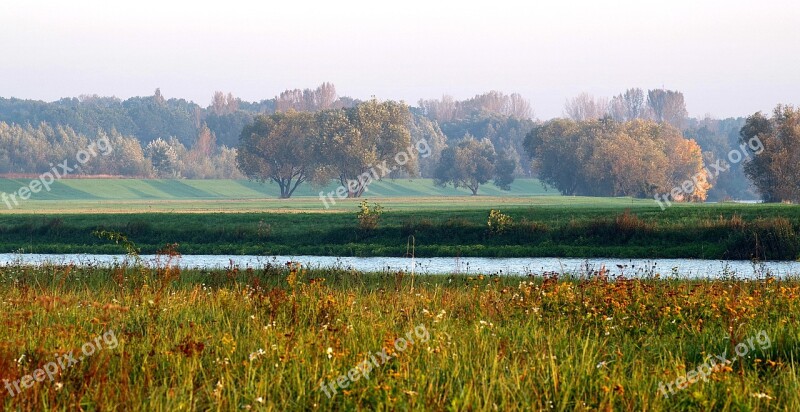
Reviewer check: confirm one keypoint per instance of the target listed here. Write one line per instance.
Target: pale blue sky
(728, 57)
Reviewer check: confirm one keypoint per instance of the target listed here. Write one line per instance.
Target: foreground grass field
(266, 339)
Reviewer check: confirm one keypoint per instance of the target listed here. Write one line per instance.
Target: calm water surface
(447, 265)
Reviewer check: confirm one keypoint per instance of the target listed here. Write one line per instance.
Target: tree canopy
(469, 164)
(595, 158)
(351, 144)
(284, 148)
(773, 153)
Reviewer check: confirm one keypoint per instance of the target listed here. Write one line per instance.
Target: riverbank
(722, 231)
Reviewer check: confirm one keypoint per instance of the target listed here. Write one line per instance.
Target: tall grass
(264, 339)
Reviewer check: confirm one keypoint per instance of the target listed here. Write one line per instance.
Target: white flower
(329, 351)
(760, 395)
(255, 355)
(260, 399)
(218, 389)
(603, 364)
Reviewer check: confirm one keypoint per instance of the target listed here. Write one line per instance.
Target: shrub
(498, 222)
(368, 216)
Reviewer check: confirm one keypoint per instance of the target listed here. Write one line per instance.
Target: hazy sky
(729, 58)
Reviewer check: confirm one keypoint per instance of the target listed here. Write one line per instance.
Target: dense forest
(637, 143)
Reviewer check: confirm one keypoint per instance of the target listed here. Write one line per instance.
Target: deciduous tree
(773, 152)
(282, 148)
(469, 164)
(365, 142)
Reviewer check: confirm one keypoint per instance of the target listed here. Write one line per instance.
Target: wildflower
(329, 351)
(255, 355)
(260, 399)
(218, 389)
(603, 364)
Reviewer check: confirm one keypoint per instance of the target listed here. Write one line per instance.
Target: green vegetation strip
(605, 229)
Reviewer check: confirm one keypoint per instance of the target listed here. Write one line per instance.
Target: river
(683, 268)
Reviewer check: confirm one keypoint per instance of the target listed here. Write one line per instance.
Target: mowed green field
(140, 195)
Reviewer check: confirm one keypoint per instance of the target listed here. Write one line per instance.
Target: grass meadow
(267, 338)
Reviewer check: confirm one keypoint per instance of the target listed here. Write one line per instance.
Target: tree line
(659, 105)
(497, 132)
(30, 150)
